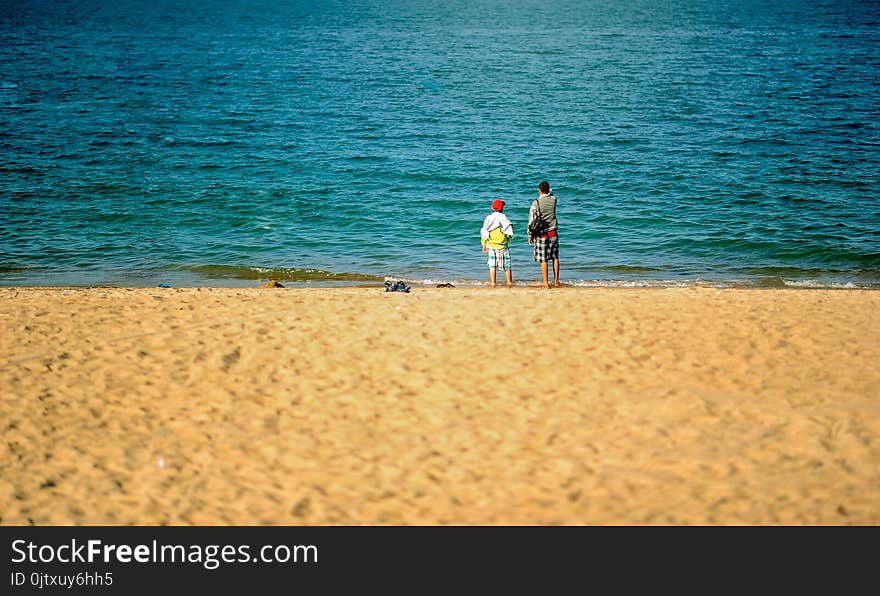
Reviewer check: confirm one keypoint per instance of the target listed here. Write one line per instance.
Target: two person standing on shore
(497, 231)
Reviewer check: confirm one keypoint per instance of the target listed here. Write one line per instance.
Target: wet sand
(442, 406)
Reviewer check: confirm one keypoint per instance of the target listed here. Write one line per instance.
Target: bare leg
(555, 273)
(544, 274)
(492, 277)
(509, 275)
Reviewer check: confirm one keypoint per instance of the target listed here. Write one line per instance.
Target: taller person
(544, 236)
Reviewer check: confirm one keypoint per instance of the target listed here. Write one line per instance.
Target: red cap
(497, 205)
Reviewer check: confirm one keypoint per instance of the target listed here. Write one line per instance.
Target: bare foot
(492, 285)
(510, 285)
(555, 284)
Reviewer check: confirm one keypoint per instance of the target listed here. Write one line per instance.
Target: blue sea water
(224, 142)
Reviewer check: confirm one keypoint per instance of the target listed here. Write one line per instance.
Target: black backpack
(537, 227)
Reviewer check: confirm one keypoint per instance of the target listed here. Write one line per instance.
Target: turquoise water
(222, 143)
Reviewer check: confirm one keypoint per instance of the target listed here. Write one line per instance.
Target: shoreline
(598, 284)
(240, 277)
(233, 406)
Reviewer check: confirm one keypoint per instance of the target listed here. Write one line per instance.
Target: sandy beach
(442, 406)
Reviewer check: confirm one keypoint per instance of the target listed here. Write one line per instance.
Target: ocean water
(227, 142)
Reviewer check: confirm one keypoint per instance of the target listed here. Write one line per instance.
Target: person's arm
(484, 231)
(533, 212)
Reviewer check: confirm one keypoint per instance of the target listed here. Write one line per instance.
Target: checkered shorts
(499, 259)
(547, 249)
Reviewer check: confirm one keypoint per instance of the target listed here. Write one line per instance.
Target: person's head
(497, 205)
(544, 187)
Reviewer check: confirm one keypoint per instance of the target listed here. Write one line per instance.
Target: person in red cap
(495, 236)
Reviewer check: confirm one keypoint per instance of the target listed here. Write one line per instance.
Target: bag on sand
(397, 286)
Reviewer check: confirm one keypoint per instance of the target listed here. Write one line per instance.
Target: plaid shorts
(547, 249)
(499, 259)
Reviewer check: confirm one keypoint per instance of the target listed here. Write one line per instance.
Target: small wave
(814, 284)
(780, 272)
(357, 158)
(279, 273)
(628, 269)
(641, 283)
(430, 282)
(171, 141)
(802, 273)
(759, 283)
(543, 52)
(766, 282)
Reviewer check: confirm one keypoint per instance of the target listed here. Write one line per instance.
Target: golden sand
(442, 406)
